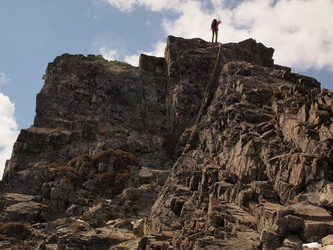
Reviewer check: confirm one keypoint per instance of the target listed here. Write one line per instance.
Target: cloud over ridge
(299, 30)
(8, 130)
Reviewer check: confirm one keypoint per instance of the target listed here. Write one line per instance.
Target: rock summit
(212, 146)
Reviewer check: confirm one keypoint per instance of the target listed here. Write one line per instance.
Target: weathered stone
(328, 240)
(295, 223)
(126, 224)
(269, 240)
(28, 212)
(293, 241)
(314, 230)
(244, 197)
(152, 64)
(329, 247)
(226, 156)
(311, 212)
(326, 198)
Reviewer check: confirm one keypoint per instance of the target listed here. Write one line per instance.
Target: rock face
(211, 147)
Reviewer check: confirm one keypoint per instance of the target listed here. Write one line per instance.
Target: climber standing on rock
(215, 29)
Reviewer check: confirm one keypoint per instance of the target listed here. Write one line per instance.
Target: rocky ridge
(104, 166)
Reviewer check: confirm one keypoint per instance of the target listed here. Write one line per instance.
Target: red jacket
(217, 25)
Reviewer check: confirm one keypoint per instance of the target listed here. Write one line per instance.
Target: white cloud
(133, 59)
(193, 22)
(299, 30)
(4, 79)
(153, 5)
(109, 54)
(158, 51)
(8, 130)
(128, 5)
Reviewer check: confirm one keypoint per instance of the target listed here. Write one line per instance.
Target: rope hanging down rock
(204, 100)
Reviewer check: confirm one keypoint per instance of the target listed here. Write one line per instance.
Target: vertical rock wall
(257, 173)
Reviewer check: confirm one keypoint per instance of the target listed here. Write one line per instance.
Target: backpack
(213, 25)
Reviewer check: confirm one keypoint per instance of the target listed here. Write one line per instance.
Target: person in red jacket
(215, 28)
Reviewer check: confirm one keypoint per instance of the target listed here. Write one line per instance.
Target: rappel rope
(204, 100)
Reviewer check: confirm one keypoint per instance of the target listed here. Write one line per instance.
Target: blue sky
(34, 32)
